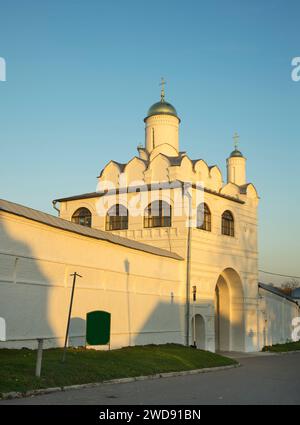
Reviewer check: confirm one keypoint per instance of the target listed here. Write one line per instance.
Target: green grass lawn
(84, 366)
(277, 348)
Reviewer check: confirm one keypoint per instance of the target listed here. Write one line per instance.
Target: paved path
(262, 379)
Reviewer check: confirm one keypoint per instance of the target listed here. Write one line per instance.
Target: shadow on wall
(165, 322)
(23, 294)
(77, 332)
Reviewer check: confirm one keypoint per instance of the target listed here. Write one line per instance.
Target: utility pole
(70, 312)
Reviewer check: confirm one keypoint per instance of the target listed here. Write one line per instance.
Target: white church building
(165, 243)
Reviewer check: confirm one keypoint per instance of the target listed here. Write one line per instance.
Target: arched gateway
(229, 312)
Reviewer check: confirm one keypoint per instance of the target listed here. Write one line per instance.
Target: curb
(282, 353)
(32, 393)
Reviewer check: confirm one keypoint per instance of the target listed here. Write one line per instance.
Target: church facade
(219, 244)
(203, 229)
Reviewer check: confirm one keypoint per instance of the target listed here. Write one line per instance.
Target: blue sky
(81, 75)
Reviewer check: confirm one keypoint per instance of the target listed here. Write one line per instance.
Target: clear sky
(81, 75)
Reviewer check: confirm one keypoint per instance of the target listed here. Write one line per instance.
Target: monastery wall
(139, 289)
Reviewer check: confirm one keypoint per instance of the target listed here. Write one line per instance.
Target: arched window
(117, 218)
(203, 217)
(227, 223)
(82, 216)
(158, 214)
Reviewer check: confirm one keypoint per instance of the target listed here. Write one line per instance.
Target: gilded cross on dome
(236, 138)
(162, 92)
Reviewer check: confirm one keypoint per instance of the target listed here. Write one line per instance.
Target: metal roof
(59, 223)
(148, 187)
(276, 291)
(296, 293)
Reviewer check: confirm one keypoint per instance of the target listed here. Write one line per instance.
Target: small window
(82, 216)
(227, 223)
(117, 218)
(158, 214)
(203, 217)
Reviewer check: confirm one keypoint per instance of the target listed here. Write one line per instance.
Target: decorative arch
(215, 172)
(159, 168)
(187, 164)
(230, 189)
(216, 178)
(117, 218)
(163, 149)
(135, 169)
(249, 190)
(82, 216)
(201, 170)
(111, 173)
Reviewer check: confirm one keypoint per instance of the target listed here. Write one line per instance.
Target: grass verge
(85, 366)
(281, 348)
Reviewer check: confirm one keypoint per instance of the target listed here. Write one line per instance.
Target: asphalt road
(262, 379)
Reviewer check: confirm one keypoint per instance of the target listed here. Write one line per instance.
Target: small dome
(236, 153)
(162, 107)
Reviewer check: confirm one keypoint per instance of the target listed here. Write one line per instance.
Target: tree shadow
(77, 332)
(24, 294)
(165, 320)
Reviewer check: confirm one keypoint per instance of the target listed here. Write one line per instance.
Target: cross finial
(162, 92)
(236, 138)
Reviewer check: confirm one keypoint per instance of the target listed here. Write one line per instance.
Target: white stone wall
(275, 318)
(141, 290)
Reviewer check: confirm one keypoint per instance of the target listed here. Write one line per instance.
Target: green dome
(162, 107)
(237, 153)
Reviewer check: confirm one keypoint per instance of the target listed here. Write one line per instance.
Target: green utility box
(98, 328)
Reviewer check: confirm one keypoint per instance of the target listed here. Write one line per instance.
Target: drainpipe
(258, 330)
(55, 207)
(188, 270)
